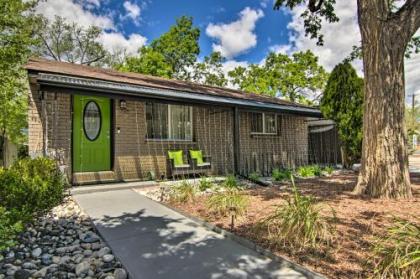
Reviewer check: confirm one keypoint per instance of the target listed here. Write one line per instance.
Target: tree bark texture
(384, 167)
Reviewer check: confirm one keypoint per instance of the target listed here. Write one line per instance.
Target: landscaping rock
(22, 274)
(36, 252)
(108, 258)
(120, 273)
(82, 268)
(62, 244)
(103, 252)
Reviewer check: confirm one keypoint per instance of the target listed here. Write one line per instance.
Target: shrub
(254, 176)
(231, 182)
(397, 255)
(31, 186)
(298, 223)
(228, 203)
(204, 184)
(183, 192)
(309, 171)
(281, 174)
(223, 203)
(10, 226)
(329, 169)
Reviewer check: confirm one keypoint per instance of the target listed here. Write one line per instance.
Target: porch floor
(105, 187)
(153, 241)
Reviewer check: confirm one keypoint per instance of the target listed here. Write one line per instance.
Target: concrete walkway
(153, 241)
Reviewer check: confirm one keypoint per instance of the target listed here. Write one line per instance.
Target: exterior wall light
(123, 104)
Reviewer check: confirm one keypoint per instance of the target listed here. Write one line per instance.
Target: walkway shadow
(152, 246)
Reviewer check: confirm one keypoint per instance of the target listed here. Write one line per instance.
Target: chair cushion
(197, 155)
(176, 156)
(204, 165)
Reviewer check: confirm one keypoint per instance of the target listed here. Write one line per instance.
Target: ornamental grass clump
(328, 169)
(254, 176)
(309, 171)
(298, 223)
(204, 184)
(231, 202)
(231, 182)
(397, 254)
(281, 174)
(183, 192)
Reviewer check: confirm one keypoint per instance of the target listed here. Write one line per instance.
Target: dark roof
(75, 70)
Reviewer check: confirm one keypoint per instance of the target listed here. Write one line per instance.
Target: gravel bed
(62, 244)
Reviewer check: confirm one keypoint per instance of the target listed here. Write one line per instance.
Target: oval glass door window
(92, 120)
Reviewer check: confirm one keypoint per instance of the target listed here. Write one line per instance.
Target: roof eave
(124, 89)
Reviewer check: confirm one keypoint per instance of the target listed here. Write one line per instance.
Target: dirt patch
(359, 221)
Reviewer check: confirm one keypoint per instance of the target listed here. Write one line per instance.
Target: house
(104, 125)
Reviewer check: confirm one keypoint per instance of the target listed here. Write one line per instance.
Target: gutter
(124, 89)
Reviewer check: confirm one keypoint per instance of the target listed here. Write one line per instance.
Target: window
(263, 123)
(168, 122)
(92, 120)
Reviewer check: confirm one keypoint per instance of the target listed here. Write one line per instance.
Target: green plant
(328, 169)
(204, 184)
(31, 186)
(397, 254)
(228, 203)
(231, 182)
(281, 174)
(10, 226)
(254, 176)
(183, 192)
(309, 171)
(298, 223)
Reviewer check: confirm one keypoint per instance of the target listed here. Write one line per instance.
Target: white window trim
(170, 123)
(263, 125)
(170, 138)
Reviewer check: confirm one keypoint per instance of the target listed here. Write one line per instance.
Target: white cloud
(97, 3)
(133, 11)
(264, 3)
(73, 12)
(338, 37)
(114, 42)
(338, 41)
(283, 49)
(236, 37)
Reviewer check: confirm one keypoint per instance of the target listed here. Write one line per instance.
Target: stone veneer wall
(49, 123)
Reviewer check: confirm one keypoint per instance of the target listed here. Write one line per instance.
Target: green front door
(91, 134)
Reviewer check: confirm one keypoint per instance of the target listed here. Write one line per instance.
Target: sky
(243, 31)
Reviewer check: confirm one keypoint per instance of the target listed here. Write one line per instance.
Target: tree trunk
(384, 165)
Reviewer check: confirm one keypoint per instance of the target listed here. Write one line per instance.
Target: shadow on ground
(160, 244)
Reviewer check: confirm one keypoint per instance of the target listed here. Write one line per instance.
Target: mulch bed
(359, 221)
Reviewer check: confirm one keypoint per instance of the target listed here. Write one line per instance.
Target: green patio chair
(199, 160)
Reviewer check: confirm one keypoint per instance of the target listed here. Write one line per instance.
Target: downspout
(236, 142)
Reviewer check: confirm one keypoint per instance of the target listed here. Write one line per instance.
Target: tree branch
(409, 16)
(313, 6)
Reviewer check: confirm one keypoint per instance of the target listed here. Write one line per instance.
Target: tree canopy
(210, 71)
(63, 41)
(149, 62)
(292, 77)
(342, 101)
(179, 46)
(16, 23)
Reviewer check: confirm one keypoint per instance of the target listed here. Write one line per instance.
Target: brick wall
(49, 126)
(262, 153)
(135, 157)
